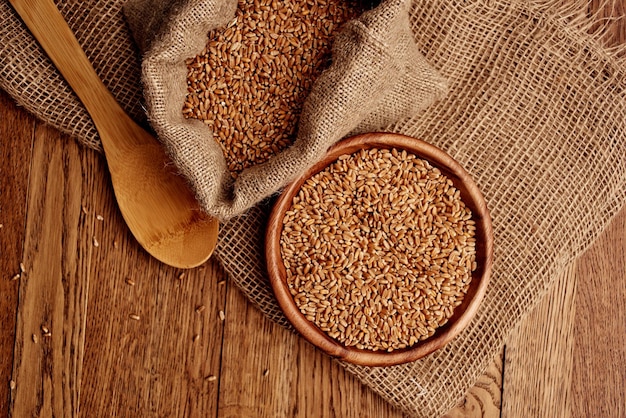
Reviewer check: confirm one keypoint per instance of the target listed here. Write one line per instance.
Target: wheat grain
(378, 249)
(249, 83)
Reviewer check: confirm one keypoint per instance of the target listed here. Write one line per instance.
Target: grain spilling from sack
(249, 83)
(379, 249)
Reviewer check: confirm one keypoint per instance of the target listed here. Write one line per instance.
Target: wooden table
(94, 325)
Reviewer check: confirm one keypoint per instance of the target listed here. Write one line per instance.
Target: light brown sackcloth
(535, 112)
(377, 77)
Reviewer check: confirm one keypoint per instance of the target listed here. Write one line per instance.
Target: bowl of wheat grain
(381, 253)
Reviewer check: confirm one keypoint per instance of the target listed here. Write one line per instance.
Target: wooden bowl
(471, 196)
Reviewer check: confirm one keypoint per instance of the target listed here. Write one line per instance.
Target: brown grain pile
(379, 249)
(249, 83)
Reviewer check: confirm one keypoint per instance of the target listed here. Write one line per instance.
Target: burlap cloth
(535, 112)
(377, 77)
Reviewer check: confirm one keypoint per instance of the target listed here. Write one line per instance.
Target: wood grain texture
(484, 399)
(275, 373)
(153, 331)
(539, 356)
(78, 253)
(568, 358)
(598, 384)
(16, 134)
(52, 297)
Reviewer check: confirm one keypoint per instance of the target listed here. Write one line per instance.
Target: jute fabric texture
(377, 77)
(535, 112)
(29, 76)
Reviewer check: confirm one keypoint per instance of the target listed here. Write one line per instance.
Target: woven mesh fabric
(535, 112)
(30, 78)
(375, 63)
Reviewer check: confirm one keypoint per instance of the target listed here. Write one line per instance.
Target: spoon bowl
(155, 200)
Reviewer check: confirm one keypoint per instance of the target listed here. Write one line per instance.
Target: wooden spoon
(154, 199)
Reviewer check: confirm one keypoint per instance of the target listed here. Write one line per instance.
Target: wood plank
(79, 253)
(52, 299)
(538, 357)
(613, 13)
(567, 358)
(598, 384)
(599, 369)
(484, 399)
(148, 364)
(551, 347)
(267, 371)
(16, 141)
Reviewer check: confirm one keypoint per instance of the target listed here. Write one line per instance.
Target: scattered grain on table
(379, 249)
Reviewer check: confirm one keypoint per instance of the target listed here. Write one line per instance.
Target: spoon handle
(46, 23)
(155, 201)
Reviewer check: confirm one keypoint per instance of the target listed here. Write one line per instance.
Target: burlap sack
(377, 77)
(535, 112)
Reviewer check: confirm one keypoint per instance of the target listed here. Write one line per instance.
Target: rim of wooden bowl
(471, 196)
